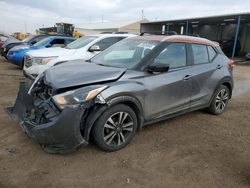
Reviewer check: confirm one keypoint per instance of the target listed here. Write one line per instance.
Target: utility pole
(25, 26)
(142, 14)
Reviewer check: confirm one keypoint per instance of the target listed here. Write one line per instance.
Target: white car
(36, 62)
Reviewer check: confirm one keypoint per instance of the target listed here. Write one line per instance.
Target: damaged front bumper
(55, 130)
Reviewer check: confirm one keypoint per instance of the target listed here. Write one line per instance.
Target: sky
(28, 15)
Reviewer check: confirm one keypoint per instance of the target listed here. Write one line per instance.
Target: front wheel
(220, 100)
(115, 128)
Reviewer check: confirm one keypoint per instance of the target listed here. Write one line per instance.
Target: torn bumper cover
(56, 131)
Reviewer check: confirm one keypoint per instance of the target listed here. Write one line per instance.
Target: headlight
(75, 97)
(43, 60)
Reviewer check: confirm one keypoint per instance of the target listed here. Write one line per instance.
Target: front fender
(98, 110)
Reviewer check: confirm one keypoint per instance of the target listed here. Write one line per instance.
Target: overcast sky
(15, 14)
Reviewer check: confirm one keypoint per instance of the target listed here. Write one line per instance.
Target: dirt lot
(194, 150)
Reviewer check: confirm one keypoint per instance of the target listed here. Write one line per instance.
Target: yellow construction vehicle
(77, 34)
(21, 36)
(60, 29)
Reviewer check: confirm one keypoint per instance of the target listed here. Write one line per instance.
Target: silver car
(136, 82)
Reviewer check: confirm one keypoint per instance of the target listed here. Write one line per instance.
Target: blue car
(16, 54)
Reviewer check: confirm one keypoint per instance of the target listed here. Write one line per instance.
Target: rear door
(206, 73)
(169, 92)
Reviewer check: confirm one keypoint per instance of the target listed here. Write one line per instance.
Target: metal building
(231, 31)
(132, 26)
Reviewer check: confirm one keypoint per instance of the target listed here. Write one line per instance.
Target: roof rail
(118, 32)
(159, 33)
(193, 35)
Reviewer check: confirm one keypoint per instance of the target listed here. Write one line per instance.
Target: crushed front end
(56, 130)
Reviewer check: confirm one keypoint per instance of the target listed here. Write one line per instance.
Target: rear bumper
(60, 133)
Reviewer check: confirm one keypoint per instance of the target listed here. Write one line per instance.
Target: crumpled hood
(51, 52)
(79, 73)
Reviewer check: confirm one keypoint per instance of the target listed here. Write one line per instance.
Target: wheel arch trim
(97, 111)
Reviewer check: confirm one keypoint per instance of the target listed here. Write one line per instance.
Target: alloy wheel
(221, 100)
(118, 128)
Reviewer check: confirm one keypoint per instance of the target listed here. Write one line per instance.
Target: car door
(169, 92)
(206, 73)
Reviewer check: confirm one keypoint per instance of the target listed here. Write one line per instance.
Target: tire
(115, 128)
(220, 100)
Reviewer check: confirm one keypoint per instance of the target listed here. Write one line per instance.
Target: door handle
(219, 66)
(187, 77)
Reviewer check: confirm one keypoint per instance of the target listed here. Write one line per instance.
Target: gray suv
(136, 82)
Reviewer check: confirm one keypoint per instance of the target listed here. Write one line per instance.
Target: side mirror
(48, 46)
(158, 67)
(94, 48)
(32, 42)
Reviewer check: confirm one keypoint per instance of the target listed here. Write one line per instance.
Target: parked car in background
(228, 45)
(138, 81)
(35, 62)
(248, 56)
(32, 39)
(2, 40)
(16, 54)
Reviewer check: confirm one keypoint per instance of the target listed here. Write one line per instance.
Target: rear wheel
(115, 128)
(220, 100)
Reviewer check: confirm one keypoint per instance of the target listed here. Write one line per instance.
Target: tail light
(231, 63)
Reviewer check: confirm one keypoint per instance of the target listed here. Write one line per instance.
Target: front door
(169, 92)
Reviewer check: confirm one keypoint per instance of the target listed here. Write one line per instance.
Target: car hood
(20, 47)
(49, 52)
(11, 40)
(80, 73)
(7, 44)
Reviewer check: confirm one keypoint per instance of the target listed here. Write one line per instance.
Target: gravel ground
(193, 150)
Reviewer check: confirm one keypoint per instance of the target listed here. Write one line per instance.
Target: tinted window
(37, 39)
(29, 38)
(81, 42)
(57, 41)
(211, 53)
(107, 42)
(67, 41)
(200, 54)
(173, 54)
(43, 42)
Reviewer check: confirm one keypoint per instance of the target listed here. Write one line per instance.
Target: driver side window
(174, 54)
(57, 43)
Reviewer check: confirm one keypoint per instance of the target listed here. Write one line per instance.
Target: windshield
(28, 38)
(3, 38)
(43, 42)
(81, 42)
(125, 54)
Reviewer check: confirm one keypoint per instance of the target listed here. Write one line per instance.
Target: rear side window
(200, 54)
(211, 53)
(174, 55)
(107, 42)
